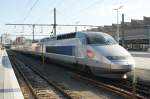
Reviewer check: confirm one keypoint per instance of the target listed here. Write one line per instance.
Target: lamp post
(117, 31)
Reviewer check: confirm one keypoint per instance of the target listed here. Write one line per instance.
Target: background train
(93, 52)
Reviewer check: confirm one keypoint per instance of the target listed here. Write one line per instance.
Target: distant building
(136, 33)
(5, 39)
(20, 40)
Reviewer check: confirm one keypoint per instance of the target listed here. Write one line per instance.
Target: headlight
(117, 57)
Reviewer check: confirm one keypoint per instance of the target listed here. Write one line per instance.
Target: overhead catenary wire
(53, 25)
(75, 15)
(27, 35)
(30, 10)
(56, 4)
(83, 10)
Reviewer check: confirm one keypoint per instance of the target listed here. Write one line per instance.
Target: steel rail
(108, 87)
(24, 77)
(66, 94)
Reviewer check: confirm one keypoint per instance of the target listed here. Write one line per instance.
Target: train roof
(93, 33)
(69, 35)
(101, 33)
(73, 34)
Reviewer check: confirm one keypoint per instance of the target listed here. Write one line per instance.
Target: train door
(80, 52)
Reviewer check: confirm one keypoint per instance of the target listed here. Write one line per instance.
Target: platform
(9, 87)
(142, 59)
(142, 65)
(140, 54)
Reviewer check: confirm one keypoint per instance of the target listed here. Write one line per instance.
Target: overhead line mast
(54, 22)
(54, 25)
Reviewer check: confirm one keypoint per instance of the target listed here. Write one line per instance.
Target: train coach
(93, 52)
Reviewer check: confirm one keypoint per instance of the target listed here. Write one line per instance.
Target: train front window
(97, 38)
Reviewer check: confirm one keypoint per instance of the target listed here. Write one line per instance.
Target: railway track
(28, 94)
(40, 86)
(144, 89)
(108, 87)
(137, 87)
(123, 88)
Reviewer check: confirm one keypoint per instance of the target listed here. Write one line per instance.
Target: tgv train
(93, 52)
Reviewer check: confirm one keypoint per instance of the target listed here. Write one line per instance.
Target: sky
(95, 12)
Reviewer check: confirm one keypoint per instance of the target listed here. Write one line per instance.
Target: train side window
(66, 36)
(103, 39)
(84, 41)
(82, 38)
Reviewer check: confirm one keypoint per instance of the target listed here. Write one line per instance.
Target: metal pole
(33, 32)
(43, 54)
(117, 26)
(122, 25)
(1, 39)
(76, 29)
(54, 21)
(149, 38)
(117, 31)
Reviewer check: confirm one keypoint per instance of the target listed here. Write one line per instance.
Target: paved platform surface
(142, 71)
(140, 54)
(142, 62)
(9, 87)
(142, 59)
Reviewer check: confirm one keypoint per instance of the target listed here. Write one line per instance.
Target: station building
(136, 33)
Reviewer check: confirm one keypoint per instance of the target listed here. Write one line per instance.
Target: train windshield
(99, 38)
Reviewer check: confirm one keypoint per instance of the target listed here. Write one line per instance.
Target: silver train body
(96, 52)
